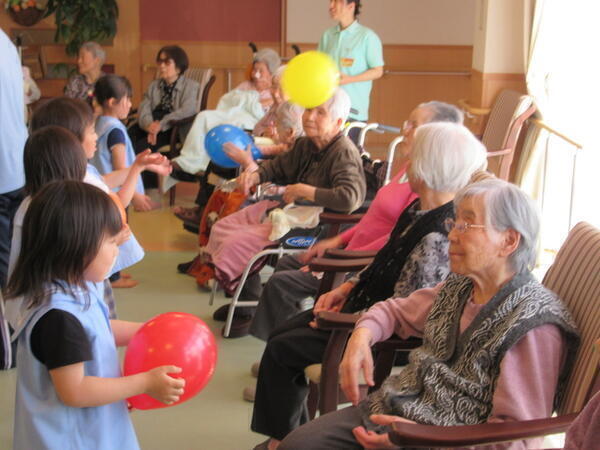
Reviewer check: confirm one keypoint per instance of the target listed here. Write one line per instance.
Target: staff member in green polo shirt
(358, 52)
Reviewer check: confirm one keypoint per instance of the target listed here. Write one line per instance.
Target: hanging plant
(79, 21)
(25, 12)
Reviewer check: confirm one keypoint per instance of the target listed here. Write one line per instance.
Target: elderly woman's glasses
(164, 61)
(461, 227)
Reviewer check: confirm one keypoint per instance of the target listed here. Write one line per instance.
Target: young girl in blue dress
(115, 150)
(70, 391)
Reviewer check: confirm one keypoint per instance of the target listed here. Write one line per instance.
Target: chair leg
(172, 196)
(312, 402)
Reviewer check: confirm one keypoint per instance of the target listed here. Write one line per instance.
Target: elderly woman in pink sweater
(497, 345)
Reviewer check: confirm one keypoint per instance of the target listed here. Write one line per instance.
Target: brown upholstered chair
(575, 278)
(506, 118)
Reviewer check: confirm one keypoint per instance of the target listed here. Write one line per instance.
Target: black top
(58, 339)
(116, 136)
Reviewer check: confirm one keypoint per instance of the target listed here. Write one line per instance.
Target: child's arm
(118, 156)
(115, 178)
(79, 391)
(124, 331)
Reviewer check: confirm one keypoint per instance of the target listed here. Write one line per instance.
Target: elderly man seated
(497, 345)
(444, 158)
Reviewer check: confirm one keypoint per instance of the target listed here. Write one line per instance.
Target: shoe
(220, 314)
(124, 283)
(263, 445)
(192, 215)
(254, 369)
(249, 393)
(239, 328)
(184, 267)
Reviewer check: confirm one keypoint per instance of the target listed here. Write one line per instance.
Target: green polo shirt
(355, 50)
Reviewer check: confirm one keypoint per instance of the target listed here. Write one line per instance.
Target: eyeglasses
(165, 61)
(461, 227)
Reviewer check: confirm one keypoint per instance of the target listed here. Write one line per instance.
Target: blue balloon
(219, 135)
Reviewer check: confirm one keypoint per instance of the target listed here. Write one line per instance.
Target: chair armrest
(340, 253)
(397, 343)
(184, 121)
(417, 435)
(504, 151)
(338, 265)
(464, 104)
(337, 218)
(327, 320)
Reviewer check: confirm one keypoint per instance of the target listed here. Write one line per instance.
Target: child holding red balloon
(70, 392)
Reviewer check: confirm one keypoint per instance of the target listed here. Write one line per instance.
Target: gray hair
(289, 116)
(270, 57)
(443, 112)
(339, 105)
(445, 156)
(95, 49)
(508, 207)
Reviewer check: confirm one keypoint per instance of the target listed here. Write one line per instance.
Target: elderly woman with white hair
(323, 167)
(242, 107)
(90, 59)
(497, 345)
(444, 158)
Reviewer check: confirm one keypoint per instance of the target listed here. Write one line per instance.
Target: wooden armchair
(574, 277)
(506, 118)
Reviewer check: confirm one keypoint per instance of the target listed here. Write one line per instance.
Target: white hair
(445, 156)
(95, 49)
(289, 117)
(508, 207)
(339, 105)
(270, 57)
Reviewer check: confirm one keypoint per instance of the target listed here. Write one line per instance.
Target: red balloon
(177, 339)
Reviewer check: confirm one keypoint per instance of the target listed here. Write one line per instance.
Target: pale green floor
(217, 418)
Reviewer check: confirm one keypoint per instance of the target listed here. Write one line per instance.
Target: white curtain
(563, 76)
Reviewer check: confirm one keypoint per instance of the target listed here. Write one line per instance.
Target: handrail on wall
(545, 126)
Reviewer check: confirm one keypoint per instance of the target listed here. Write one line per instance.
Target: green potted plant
(25, 12)
(79, 21)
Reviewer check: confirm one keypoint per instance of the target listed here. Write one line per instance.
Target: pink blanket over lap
(238, 237)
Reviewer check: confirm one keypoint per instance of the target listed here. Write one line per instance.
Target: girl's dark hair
(177, 54)
(62, 232)
(112, 86)
(357, 6)
(73, 114)
(52, 153)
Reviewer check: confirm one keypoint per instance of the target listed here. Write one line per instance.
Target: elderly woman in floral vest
(497, 345)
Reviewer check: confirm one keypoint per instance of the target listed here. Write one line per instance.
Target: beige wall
(424, 22)
(498, 37)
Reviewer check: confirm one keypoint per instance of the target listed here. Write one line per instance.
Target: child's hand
(162, 387)
(154, 162)
(142, 203)
(124, 235)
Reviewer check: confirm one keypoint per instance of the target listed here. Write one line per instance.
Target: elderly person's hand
(247, 180)
(299, 191)
(319, 249)
(357, 358)
(332, 301)
(240, 156)
(154, 127)
(372, 440)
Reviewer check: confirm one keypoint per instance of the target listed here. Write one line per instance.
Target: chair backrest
(203, 77)
(575, 277)
(503, 127)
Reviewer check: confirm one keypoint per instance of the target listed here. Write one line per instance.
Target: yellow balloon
(310, 79)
